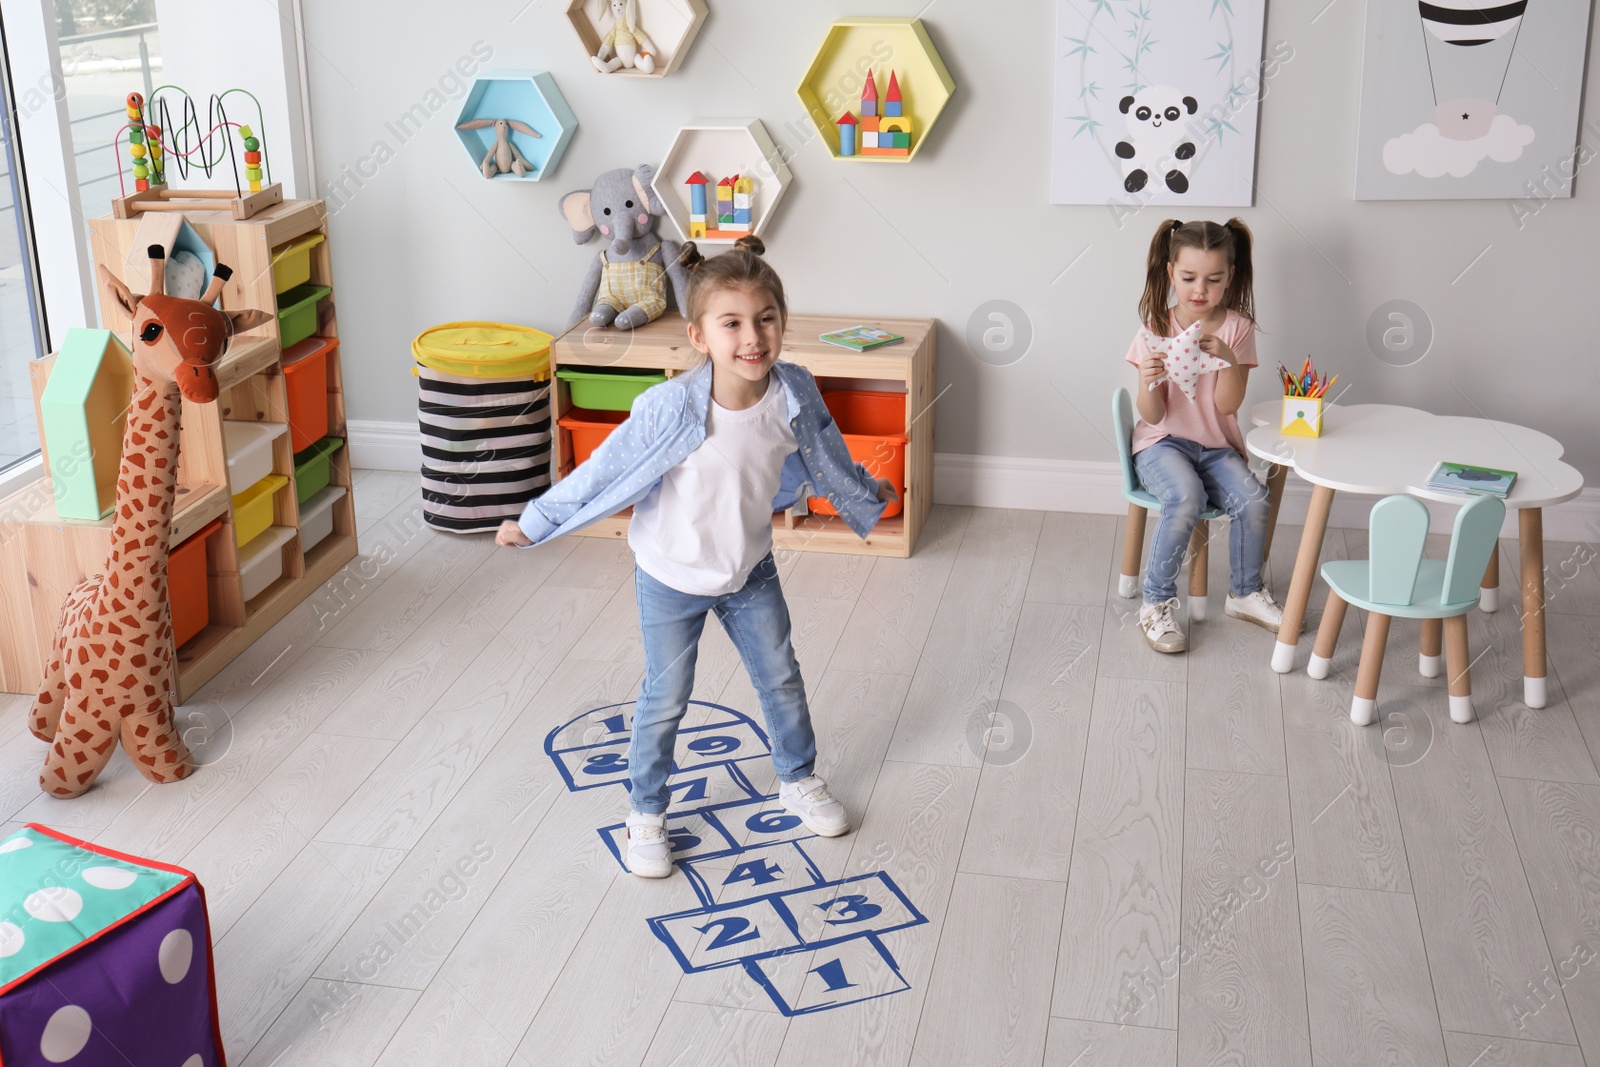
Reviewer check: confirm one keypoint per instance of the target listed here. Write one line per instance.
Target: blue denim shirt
(668, 422)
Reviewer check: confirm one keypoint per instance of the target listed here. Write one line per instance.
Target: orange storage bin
(305, 379)
(586, 429)
(186, 585)
(874, 429)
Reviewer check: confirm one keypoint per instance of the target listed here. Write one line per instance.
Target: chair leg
(1275, 480)
(1456, 661)
(1489, 594)
(1428, 661)
(1364, 705)
(1327, 635)
(1199, 563)
(1132, 552)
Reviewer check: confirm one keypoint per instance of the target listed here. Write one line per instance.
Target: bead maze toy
(153, 145)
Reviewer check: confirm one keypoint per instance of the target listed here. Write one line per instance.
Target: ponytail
(1232, 238)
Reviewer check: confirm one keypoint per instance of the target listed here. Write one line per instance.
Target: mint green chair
(1398, 582)
(1140, 503)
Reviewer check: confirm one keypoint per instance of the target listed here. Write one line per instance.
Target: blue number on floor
(772, 822)
(756, 872)
(730, 931)
(693, 789)
(682, 840)
(857, 908)
(720, 745)
(614, 724)
(832, 973)
(605, 763)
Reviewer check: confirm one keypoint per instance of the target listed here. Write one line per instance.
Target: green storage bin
(314, 467)
(608, 390)
(297, 313)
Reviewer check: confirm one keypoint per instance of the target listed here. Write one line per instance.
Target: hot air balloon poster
(1469, 99)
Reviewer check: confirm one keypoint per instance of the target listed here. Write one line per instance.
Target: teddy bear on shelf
(625, 44)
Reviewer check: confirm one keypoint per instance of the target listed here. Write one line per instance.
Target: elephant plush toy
(626, 285)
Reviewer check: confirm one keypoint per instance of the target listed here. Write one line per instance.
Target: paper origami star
(1185, 359)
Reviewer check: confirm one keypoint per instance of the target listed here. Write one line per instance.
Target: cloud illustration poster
(1470, 99)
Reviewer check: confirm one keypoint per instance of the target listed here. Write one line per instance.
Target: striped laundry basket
(483, 405)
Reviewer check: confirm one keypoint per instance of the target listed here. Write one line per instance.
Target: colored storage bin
(107, 957)
(586, 429)
(316, 516)
(291, 263)
(483, 405)
(874, 429)
(305, 380)
(249, 448)
(252, 509)
(313, 468)
(297, 313)
(261, 561)
(186, 585)
(608, 390)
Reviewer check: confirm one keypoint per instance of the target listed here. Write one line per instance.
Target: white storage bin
(316, 515)
(249, 448)
(261, 560)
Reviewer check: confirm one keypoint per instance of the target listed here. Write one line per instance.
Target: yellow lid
(265, 487)
(485, 350)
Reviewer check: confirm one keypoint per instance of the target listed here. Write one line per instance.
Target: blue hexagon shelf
(530, 97)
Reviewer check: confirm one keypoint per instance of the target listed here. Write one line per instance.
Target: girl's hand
(1214, 345)
(886, 490)
(1151, 370)
(510, 534)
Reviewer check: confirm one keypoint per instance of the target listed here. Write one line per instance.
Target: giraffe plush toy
(111, 673)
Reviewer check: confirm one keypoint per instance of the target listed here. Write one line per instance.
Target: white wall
(420, 238)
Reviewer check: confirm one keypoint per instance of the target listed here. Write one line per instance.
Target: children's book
(862, 338)
(1465, 478)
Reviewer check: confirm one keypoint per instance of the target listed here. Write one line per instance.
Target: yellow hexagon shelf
(876, 88)
(669, 26)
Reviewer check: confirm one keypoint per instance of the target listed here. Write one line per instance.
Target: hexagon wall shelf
(528, 95)
(718, 150)
(670, 24)
(885, 47)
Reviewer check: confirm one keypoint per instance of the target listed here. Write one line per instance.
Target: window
(21, 315)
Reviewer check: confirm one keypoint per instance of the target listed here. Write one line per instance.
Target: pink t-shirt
(1198, 419)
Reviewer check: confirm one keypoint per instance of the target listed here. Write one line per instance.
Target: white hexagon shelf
(529, 97)
(721, 179)
(887, 82)
(669, 25)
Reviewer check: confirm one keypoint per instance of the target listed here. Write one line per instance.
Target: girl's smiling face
(1200, 279)
(742, 332)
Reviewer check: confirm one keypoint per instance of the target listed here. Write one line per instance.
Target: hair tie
(1175, 227)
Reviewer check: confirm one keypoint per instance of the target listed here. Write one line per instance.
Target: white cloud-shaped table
(1383, 449)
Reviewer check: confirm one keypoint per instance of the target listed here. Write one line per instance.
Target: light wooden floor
(1123, 858)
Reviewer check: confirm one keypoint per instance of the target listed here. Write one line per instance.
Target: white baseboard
(1086, 486)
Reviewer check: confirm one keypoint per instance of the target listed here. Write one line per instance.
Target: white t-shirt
(709, 522)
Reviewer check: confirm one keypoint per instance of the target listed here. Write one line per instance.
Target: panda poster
(1156, 102)
(1471, 99)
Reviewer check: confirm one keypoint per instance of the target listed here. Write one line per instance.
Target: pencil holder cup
(1302, 416)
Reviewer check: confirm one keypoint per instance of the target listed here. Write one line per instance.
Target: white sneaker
(809, 798)
(1160, 625)
(1258, 607)
(649, 851)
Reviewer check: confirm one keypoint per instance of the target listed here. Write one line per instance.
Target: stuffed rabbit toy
(503, 158)
(625, 44)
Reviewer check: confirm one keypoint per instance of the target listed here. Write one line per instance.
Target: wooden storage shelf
(43, 557)
(664, 345)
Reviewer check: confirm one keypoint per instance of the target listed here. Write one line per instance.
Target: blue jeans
(1185, 475)
(757, 621)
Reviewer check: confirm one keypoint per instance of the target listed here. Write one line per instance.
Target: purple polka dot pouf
(104, 958)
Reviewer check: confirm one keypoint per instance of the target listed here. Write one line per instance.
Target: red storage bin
(874, 429)
(186, 585)
(305, 378)
(585, 430)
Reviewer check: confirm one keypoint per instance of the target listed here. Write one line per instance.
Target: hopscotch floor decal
(762, 899)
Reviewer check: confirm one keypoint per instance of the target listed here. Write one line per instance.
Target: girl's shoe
(809, 798)
(1160, 625)
(649, 851)
(1258, 607)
